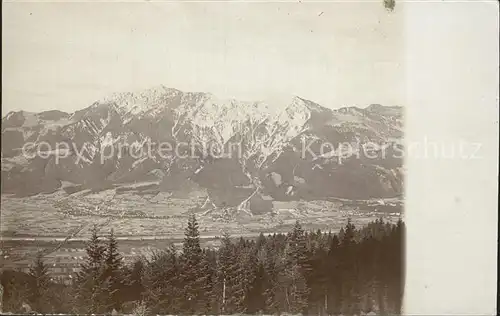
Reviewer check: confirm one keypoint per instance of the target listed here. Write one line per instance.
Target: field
(130, 214)
(144, 223)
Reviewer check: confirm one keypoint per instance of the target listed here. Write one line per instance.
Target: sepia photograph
(204, 158)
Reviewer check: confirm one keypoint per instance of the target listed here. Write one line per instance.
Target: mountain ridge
(271, 136)
(159, 88)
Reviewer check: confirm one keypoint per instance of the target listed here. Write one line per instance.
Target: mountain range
(288, 150)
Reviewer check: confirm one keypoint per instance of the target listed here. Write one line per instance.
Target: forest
(353, 272)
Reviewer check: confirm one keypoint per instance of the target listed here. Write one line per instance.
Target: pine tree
(349, 270)
(309, 273)
(272, 303)
(162, 283)
(248, 265)
(91, 287)
(299, 250)
(133, 281)
(174, 279)
(38, 295)
(235, 286)
(261, 241)
(95, 250)
(349, 234)
(112, 275)
(15, 293)
(297, 268)
(256, 302)
(191, 266)
(297, 291)
(334, 275)
(225, 266)
(205, 283)
(318, 281)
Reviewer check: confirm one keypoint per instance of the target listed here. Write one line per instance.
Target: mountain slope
(241, 155)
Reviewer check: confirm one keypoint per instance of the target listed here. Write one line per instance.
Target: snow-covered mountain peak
(140, 102)
(269, 134)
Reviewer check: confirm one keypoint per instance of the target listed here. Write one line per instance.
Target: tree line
(312, 273)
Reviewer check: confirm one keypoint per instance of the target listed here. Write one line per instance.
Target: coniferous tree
(162, 283)
(91, 287)
(213, 297)
(235, 281)
(297, 267)
(191, 266)
(349, 270)
(112, 275)
(204, 283)
(60, 296)
(16, 290)
(133, 286)
(318, 282)
(261, 241)
(334, 277)
(256, 302)
(38, 295)
(248, 265)
(272, 304)
(357, 271)
(225, 266)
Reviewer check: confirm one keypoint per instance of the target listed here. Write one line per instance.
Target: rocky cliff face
(241, 155)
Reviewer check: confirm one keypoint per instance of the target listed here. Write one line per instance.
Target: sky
(65, 56)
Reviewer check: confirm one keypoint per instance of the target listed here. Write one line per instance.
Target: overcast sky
(67, 55)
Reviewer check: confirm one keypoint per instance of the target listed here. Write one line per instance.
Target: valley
(64, 172)
(57, 214)
(41, 222)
